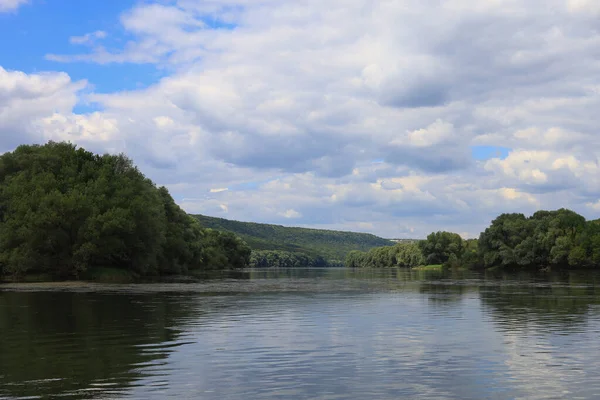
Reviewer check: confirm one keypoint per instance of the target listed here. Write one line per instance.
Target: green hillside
(331, 245)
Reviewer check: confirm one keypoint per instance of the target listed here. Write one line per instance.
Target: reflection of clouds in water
(550, 353)
(529, 358)
(369, 345)
(295, 337)
(435, 343)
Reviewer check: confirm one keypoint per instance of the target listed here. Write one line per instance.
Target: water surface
(298, 334)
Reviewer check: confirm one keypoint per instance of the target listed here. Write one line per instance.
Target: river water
(306, 334)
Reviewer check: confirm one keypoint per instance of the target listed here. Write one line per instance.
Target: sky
(394, 117)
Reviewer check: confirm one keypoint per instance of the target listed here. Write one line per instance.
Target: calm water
(318, 334)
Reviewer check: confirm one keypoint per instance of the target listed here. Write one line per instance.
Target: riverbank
(116, 276)
(99, 275)
(431, 267)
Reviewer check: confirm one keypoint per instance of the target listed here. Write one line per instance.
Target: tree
(64, 210)
(399, 255)
(407, 255)
(498, 243)
(439, 246)
(354, 259)
(223, 250)
(548, 238)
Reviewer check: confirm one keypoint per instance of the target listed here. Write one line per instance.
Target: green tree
(548, 238)
(440, 246)
(408, 255)
(64, 210)
(399, 255)
(498, 243)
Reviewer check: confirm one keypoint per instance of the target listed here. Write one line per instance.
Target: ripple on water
(340, 336)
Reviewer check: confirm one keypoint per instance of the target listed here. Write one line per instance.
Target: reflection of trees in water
(64, 342)
(445, 292)
(401, 274)
(546, 333)
(83, 339)
(555, 307)
(574, 277)
(279, 273)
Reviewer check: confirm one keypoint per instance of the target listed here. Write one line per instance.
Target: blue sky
(483, 153)
(322, 114)
(45, 27)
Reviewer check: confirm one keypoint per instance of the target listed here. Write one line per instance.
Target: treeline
(286, 259)
(547, 239)
(440, 248)
(65, 211)
(560, 238)
(333, 246)
(398, 255)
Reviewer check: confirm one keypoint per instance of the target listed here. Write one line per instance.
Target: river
(306, 334)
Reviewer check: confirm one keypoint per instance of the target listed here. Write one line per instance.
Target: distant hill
(332, 245)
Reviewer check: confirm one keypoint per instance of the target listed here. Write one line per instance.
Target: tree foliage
(398, 255)
(286, 259)
(64, 210)
(559, 238)
(333, 246)
(441, 247)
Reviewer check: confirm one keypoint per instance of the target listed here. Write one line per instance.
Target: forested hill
(331, 245)
(67, 213)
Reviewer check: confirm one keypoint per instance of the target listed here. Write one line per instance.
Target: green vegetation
(432, 267)
(442, 247)
(547, 239)
(279, 246)
(398, 255)
(286, 259)
(559, 238)
(65, 212)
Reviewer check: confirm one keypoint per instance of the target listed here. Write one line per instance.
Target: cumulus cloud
(291, 213)
(25, 99)
(548, 171)
(87, 38)
(432, 135)
(583, 6)
(289, 103)
(11, 5)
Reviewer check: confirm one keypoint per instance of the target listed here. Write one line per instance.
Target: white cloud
(583, 6)
(432, 135)
(290, 214)
(94, 127)
(11, 5)
(551, 138)
(88, 37)
(26, 99)
(548, 171)
(290, 109)
(594, 205)
(512, 194)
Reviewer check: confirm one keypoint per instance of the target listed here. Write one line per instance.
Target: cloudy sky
(396, 117)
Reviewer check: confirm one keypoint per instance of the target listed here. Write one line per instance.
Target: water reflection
(555, 308)
(550, 337)
(298, 334)
(83, 344)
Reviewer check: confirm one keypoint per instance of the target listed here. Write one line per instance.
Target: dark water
(318, 334)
